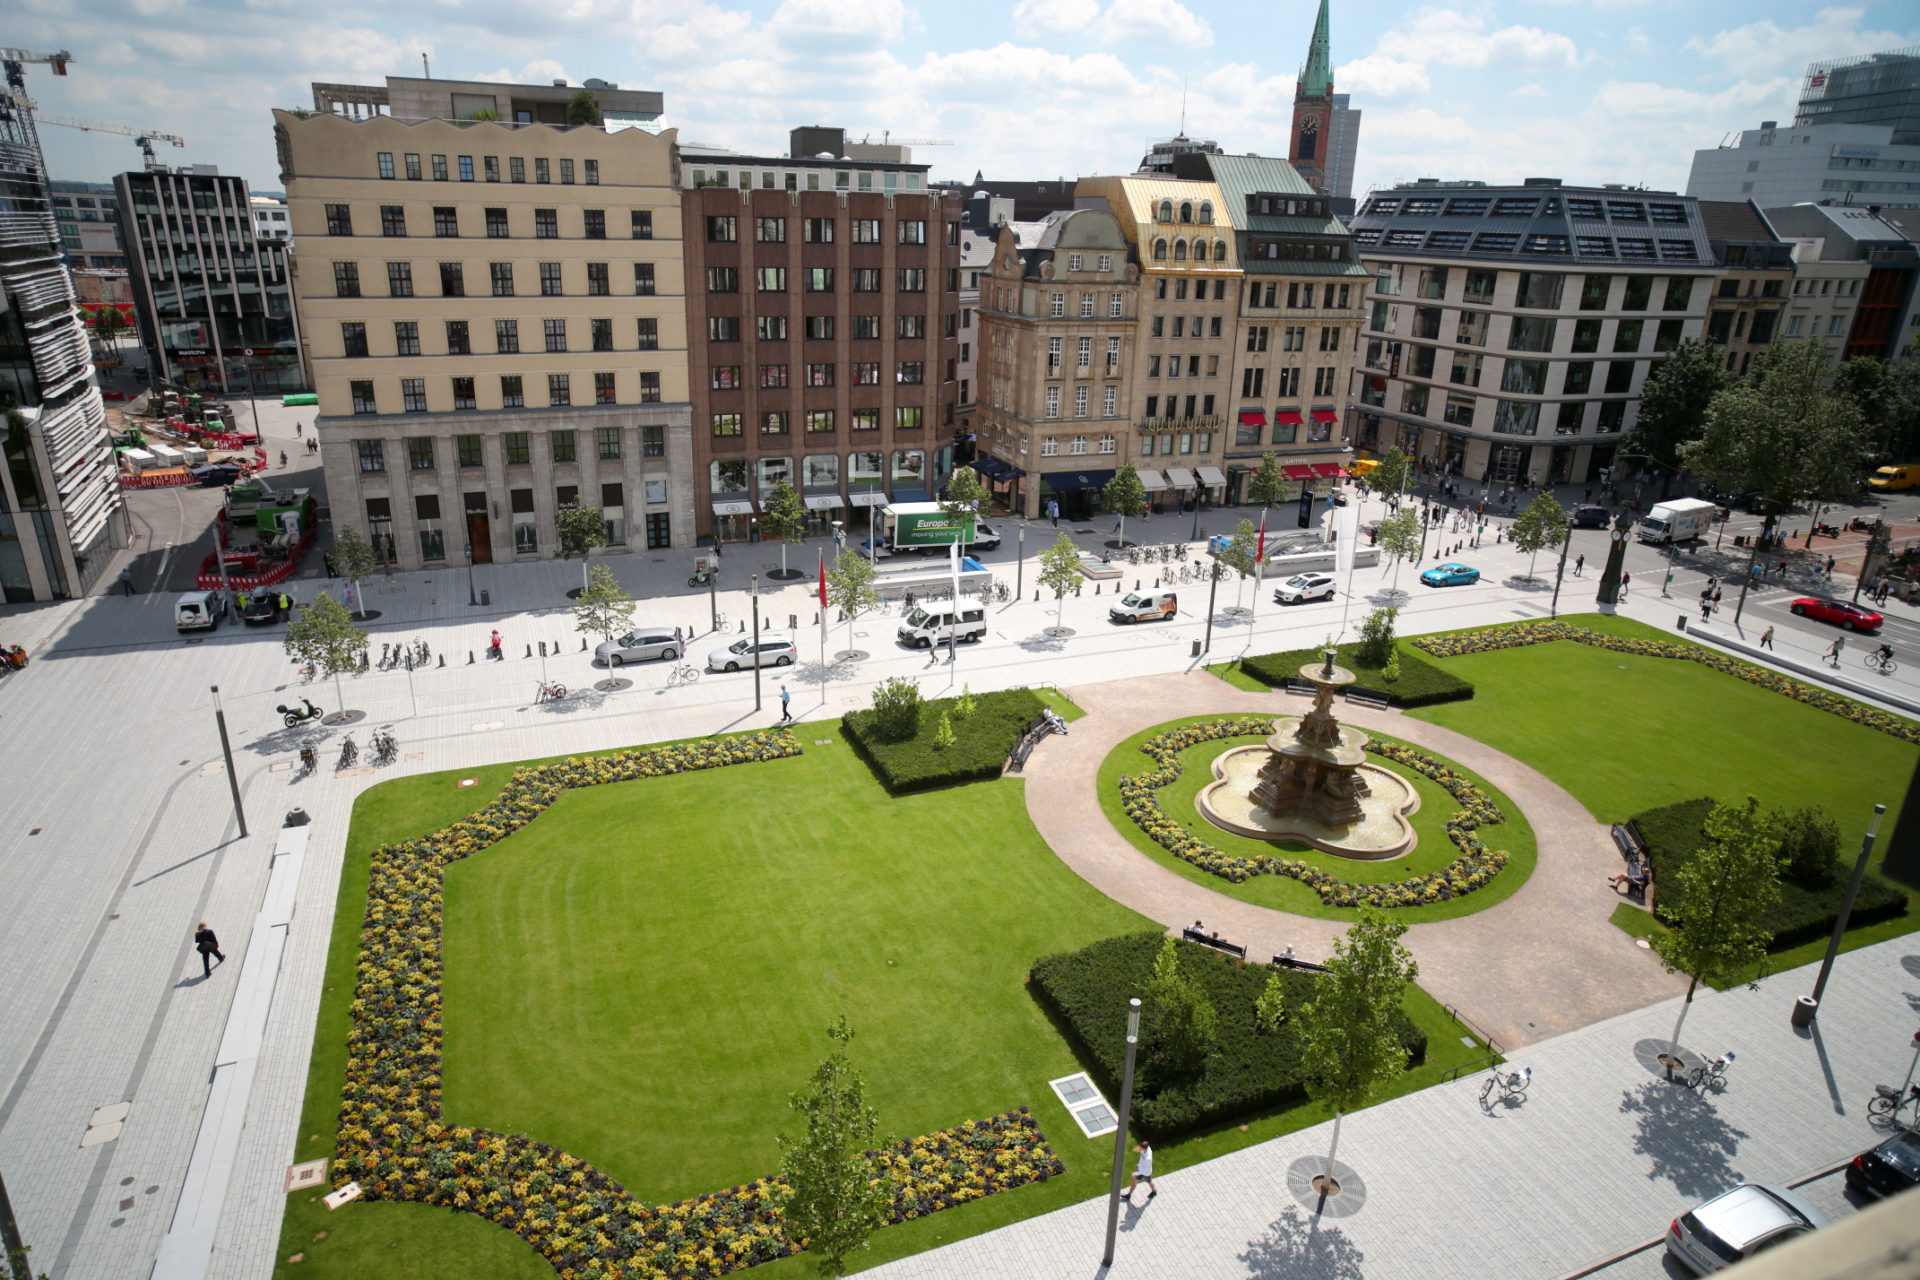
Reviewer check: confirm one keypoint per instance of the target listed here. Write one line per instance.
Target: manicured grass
(1636, 923)
(1432, 852)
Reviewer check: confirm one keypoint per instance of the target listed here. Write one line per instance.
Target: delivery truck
(919, 527)
(1678, 520)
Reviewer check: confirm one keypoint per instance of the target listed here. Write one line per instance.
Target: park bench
(1215, 941)
(1290, 962)
(1367, 697)
(1029, 738)
(1296, 685)
(1626, 837)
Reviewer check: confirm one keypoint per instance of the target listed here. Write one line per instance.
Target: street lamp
(754, 592)
(1808, 1007)
(1120, 1133)
(1020, 564)
(226, 751)
(1213, 589)
(472, 599)
(1566, 541)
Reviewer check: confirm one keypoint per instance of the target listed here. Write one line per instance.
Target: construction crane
(58, 61)
(145, 137)
(887, 139)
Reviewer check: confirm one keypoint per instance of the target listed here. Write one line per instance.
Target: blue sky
(1586, 90)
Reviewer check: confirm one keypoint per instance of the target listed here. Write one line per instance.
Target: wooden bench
(1029, 738)
(1215, 941)
(1306, 966)
(1368, 697)
(1626, 837)
(1296, 685)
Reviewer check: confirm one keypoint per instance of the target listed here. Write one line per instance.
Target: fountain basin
(1382, 831)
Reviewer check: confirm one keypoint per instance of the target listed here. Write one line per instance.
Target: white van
(1145, 606)
(932, 624)
(199, 611)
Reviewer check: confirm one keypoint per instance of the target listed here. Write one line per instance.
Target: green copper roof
(1316, 80)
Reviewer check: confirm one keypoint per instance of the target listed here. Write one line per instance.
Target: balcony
(1210, 422)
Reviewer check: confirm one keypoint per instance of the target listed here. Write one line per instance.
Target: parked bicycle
(349, 754)
(1510, 1084)
(1710, 1073)
(309, 759)
(550, 692)
(685, 673)
(385, 749)
(1888, 1100)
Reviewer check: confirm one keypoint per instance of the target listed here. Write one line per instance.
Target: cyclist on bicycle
(1884, 653)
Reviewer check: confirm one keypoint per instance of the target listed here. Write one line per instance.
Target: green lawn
(1432, 852)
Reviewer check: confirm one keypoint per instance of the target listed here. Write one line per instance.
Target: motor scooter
(292, 717)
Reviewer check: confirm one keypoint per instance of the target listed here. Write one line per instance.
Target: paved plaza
(121, 836)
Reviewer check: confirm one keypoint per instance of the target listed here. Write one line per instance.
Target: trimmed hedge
(1804, 914)
(1249, 1072)
(1421, 683)
(981, 741)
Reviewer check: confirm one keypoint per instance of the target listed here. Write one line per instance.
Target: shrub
(981, 741)
(1180, 1020)
(896, 709)
(1810, 842)
(1420, 683)
(1376, 636)
(943, 732)
(1250, 1071)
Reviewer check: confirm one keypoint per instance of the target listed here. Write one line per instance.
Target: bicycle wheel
(1486, 1090)
(1882, 1105)
(1696, 1077)
(1518, 1087)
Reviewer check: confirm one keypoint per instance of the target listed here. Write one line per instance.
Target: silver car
(642, 644)
(1737, 1224)
(772, 649)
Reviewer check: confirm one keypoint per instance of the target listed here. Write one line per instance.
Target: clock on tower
(1310, 138)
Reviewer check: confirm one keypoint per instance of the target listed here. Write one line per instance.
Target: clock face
(1310, 125)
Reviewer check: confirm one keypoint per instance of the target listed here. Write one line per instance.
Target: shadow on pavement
(1684, 1138)
(1298, 1244)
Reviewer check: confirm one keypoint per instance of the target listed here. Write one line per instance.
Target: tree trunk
(359, 605)
(586, 582)
(1673, 1041)
(1531, 560)
(339, 697)
(783, 557)
(1059, 608)
(1335, 1145)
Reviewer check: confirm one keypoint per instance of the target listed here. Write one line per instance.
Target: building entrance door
(480, 536)
(1507, 462)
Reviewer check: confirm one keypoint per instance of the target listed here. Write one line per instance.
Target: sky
(1589, 91)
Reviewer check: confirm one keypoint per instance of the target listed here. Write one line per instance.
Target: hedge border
(1275, 669)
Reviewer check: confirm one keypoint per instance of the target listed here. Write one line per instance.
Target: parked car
(642, 644)
(262, 608)
(1302, 587)
(1450, 574)
(1841, 613)
(200, 611)
(213, 475)
(1145, 606)
(1891, 1167)
(1737, 1224)
(771, 649)
(1588, 516)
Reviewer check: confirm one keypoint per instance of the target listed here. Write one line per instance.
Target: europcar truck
(1677, 520)
(921, 527)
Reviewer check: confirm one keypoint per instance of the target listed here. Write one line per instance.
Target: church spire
(1316, 79)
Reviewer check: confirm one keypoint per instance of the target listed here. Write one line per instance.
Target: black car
(214, 475)
(261, 609)
(1588, 516)
(1891, 1167)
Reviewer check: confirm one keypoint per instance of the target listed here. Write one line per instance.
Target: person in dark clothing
(208, 946)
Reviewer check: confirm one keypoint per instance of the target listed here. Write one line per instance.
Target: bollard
(556, 647)
(1096, 588)
(469, 657)
(1036, 595)
(443, 660)
(583, 644)
(743, 626)
(530, 650)
(1136, 584)
(677, 636)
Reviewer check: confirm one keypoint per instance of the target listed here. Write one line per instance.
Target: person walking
(786, 707)
(126, 581)
(493, 646)
(1766, 638)
(1835, 649)
(283, 457)
(1142, 1172)
(1626, 580)
(1053, 511)
(208, 946)
(298, 427)
(1706, 606)
(1579, 563)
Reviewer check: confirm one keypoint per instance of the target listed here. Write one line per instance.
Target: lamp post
(1808, 1007)
(1566, 541)
(753, 593)
(226, 751)
(1213, 588)
(472, 599)
(1120, 1134)
(1020, 564)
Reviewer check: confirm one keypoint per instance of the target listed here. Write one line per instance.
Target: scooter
(701, 577)
(291, 718)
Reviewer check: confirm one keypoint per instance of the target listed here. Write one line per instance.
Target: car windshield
(1300, 580)
(740, 646)
(1903, 1153)
(918, 618)
(1134, 599)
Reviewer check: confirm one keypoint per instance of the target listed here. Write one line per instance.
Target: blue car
(1450, 575)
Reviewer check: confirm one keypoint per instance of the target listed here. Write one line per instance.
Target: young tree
(1124, 496)
(1673, 405)
(582, 531)
(784, 518)
(840, 1196)
(1389, 479)
(1180, 1020)
(1060, 573)
(1543, 524)
(1716, 902)
(896, 708)
(603, 608)
(324, 634)
(1268, 484)
(850, 588)
(1348, 1045)
(583, 108)
(353, 557)
(1400, 537)
(1270, 1009)
(1242, 555)
(967, 494)
(1376, 636)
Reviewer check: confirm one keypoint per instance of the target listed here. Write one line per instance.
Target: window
(722, 280)
(1539, 289)
(496, 224)
(1083, 358)
(723, 328)
(467, 451)
(820, 375)
(908, 417)
(516, 169)
(466, 168)
(1680, 292)
(606, 443)
(642, 224)
(818, 328)
(457, 340)
(1323, 381)
(1619, 376)
(1053, 353)
(1253, 383)
(912, 280)
(453, 280)
(1116, 304)
(512, 395)
(1639, 293)
(1516, 418)
(1466, 368)
(406, 337)
(439, 168)
(501, 274)
(566, 172)
(770, 230)
(773, 423)
(550, 280)
(542, 171)
(866, 279)
(602, 331)
(722, 229)
(353, 338)
(400, 279)
(1286, 383)
(1053, 402)
(339, 220)
(1109, 404)
(643, 279)
(372, 453)
(773, 376)
(603, 392)
(556, 334)
(1579, 378)
(1080, 395)
(506, 337)
(463, 394)
(385, 161)
(393, 220)
(820, 421)
(559, 389)
(770, 279)
(1627, 336)
(866, 230)
(818, 230)
(1113, 355)
(910, 327)
(866, 327)
(1531, 334)
(912, 372)
(594, 223)
(1528, 377)
(490, 167)
(724, 377)
(1668, 335)
(413, 395)
(598, 283)
(648, 334)
(866, 373)
(1458, 410)
(446, 220)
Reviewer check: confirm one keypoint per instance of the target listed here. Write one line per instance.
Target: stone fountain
(1311, 782)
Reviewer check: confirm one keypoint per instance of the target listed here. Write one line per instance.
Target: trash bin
(1196, 648)
(1804, 1010)
(486, 597)
(1683, 622)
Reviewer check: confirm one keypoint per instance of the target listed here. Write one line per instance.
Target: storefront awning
(1325, 415)
(1253, 418)
(1151, 479)
(1295, 472)
(733, 508)
(1289, 418)
(1180, 477)
(1073, 481)
(1211, 475)
(869, 499)
(823, 501)
(1328, 469)
(1013, 473)
(989, 467)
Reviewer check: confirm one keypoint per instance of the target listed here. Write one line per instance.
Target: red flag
(823, 579)
(1260, 552)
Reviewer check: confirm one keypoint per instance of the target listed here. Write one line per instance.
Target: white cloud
(1534, 90)
(1041, 18)
(1159, 22)
(1765, 46)
(1380, 76)
(1449, 38)
(835, 27)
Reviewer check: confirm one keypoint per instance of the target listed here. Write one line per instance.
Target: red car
(1848, 617)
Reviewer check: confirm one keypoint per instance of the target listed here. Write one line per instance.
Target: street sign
(1306, 508)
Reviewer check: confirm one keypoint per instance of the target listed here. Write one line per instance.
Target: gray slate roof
(1548, 225)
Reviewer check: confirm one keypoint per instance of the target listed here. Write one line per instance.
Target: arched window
(1166, 211)
(1180, 249)
(1219, 250)
(1186, 211)
(1160, 250)
(1206, 211)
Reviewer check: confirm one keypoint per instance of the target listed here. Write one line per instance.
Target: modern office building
(1343, 150)
(214, 302)
(1871, 88)
(1856, 164)
(1511, 328)
(1886, 315)
(61, 512)
(89, 218)
(1750, 297)
(416, 98)
(495, 319)
(823, 314)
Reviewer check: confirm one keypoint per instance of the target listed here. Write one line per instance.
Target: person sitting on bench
(1054, 722)
(1636, 880)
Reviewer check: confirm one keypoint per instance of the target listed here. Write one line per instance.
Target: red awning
(1328, 469)
(1253, 418)
(1297, 473)
(1325, 415)
(1288, 417)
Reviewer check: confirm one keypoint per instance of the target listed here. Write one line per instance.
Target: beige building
(1748, 301)
(1825, 296)
(495, 320)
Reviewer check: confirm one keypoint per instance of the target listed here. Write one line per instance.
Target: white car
(1735, 1225)
(772, 649)
(1304, 586)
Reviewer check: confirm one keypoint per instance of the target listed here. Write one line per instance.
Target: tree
(784, 518)
(1180, 1020)
(967, 494)
(1389, 479)
(943, 732)
(840, 1195)
(353, 557)
(603, 608)
(1242, 555)
(583, 108)
(1716, 902)
(1060, 572)
(1889, 399)
(1399, 535)
(582, 531)
(1809, 847)
(1268, 484)
(850, 588)
(1124, 496)
(1270, 1010)
(1673, 405)
(1348, 1043)
(896, 708)
(1543, 524)
(324, 634)
(1376, 637)
(1782, 432)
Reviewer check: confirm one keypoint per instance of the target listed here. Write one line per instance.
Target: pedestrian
(493, 646)
(298, 428)
(126, 581)
(1053, 511)
(1118, 519)
(1579, 563)
(1716, 597)
(326, 562)
(207, 945)
(1706, 607)
(1142, 1172)
(1830, 564)
(285, 605)
(283, 457)
(1834, 650)
(1626, 580)
(313, 444)
(1766, 638)
(786, 711)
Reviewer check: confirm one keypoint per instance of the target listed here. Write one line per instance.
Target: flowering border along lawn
(1513, 635)
(1475, 868)
(584, 1223)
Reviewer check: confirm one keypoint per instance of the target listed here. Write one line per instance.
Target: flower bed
(1476, 866)
(1515, 634)
(393, 1143)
